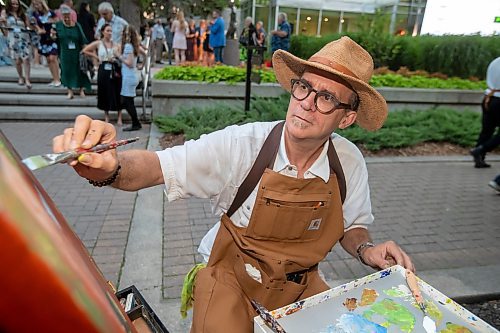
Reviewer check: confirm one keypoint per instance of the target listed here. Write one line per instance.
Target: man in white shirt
(117, 23)
(488, 140)
(286, 192)
(158, 38)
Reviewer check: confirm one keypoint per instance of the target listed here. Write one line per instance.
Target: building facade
(323, 17)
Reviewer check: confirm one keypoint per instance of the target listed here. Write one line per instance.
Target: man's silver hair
(283, 16)
(105, 7)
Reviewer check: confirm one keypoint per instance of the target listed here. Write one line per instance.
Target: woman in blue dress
(130, 50)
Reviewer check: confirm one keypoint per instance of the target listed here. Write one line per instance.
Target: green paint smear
(395, 292)
(454, 328)
(393, 313)
(433, 311)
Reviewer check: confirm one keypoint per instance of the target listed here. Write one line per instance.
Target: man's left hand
(387, 254)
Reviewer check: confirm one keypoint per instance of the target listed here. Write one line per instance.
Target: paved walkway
(438, 208)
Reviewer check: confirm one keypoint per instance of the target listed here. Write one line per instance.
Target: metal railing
(146, 77)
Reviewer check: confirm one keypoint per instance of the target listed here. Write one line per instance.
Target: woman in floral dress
(45, 20)
(19, 40)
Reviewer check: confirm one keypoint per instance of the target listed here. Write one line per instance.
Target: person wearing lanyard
(105, 51)
(71, 40)
(286, 192)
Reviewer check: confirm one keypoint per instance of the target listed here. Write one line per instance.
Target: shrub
(229, 74)
(461, 56)
(402, 128)
(237, 74)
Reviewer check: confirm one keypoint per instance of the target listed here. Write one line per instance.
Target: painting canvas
(378, 303)
(49, 282)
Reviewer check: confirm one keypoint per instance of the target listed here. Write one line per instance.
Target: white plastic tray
(326, 312)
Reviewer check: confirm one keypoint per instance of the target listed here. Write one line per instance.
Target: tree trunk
(130, 10)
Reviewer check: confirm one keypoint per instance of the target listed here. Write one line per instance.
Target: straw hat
(348, 60)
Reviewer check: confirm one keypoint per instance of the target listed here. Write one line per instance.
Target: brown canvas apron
(293, 226)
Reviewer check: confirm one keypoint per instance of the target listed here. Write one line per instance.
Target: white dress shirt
(493, 77)
(216, 164)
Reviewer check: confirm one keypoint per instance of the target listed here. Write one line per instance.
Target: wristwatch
(360, 248)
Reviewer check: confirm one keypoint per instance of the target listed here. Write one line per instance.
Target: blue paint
(383, 274)
(354, 323)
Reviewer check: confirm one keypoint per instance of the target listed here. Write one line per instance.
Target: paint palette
(378, 303)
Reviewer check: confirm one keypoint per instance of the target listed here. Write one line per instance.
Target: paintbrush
(428, 323)
(41, 161)
(268, 318)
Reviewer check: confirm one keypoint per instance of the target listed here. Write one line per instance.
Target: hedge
(460, 56)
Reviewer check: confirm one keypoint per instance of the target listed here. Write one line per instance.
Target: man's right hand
(87, 133)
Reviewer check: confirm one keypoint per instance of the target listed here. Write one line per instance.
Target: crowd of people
(188, 40)
(59, 37)
(67, 41)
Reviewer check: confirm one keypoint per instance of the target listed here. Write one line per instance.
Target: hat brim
(372, 110)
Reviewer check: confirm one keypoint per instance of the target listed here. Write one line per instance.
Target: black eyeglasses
(324, 101)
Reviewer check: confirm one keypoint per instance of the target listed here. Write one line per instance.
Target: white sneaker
(57, 84)
(493, 184)
(51, 84)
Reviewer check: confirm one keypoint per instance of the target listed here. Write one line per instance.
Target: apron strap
(266, 157)
(336, 168)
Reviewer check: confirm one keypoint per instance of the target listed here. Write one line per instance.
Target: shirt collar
(320, 167)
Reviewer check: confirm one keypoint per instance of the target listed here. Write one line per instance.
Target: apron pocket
(287, 220)
(272, 295)
(219, 303)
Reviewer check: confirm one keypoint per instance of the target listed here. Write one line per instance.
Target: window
(330, 23)
(308, 22)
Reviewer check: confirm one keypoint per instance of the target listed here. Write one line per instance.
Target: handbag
(86, 66)
(117, 68)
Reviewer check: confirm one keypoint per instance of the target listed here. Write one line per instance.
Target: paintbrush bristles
(41, 161)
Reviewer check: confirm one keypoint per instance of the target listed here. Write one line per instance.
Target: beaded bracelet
(361, 248)
(108, 181)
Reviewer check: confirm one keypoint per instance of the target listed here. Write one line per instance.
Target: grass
(404, 128)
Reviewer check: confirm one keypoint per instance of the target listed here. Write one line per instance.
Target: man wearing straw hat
(286, 192)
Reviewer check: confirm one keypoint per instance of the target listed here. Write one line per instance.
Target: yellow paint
(368, 297)
(434, 312)
(454, 328)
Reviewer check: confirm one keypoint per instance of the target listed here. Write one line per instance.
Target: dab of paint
(368, 297)
(354, 323)
(351, 303)
(393, 313)
(433, 311)
(296, 307)
(454, 328)
(399, 291)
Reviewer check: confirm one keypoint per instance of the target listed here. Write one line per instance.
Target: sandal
(21, 81)
(28, 85)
